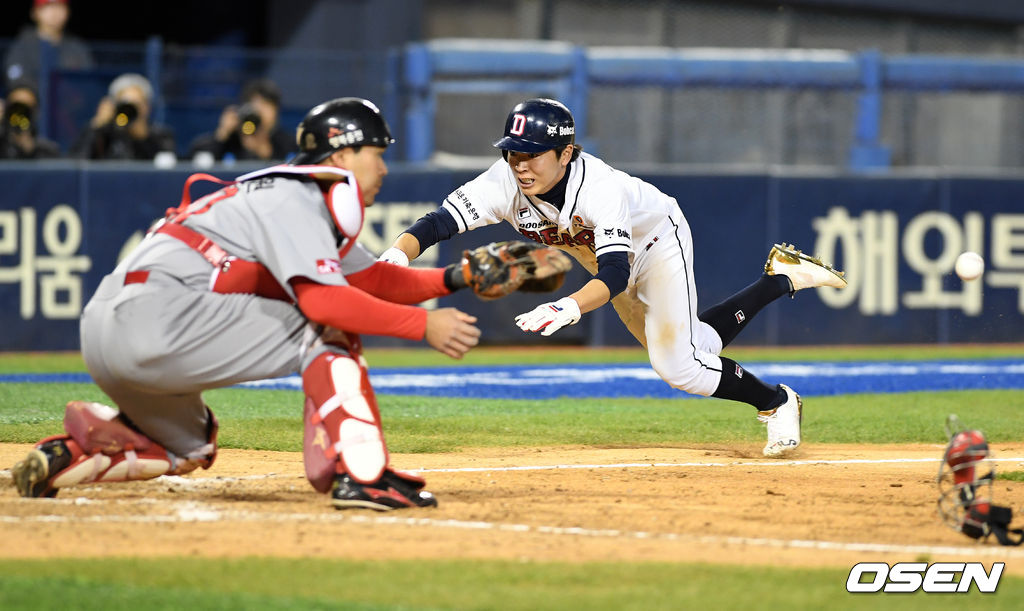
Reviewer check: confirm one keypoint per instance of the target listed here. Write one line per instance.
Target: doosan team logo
(913, 576)
(328, 266)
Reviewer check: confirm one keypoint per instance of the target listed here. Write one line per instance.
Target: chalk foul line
(191, 511)
(206, 482)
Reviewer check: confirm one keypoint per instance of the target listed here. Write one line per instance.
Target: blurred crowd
(122, 126)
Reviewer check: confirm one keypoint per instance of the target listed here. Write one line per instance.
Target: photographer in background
(47, 37)
(251, 130)
(19, 133)
(120, 129)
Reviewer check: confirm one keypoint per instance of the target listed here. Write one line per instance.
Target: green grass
(270, 420)
(265, 583)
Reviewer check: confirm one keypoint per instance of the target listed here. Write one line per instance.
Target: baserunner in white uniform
(635, 241)
(263, 278)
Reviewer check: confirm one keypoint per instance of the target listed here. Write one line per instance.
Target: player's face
(537, 173)
(369, 167)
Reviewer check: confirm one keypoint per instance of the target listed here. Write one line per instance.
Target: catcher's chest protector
(234, 275)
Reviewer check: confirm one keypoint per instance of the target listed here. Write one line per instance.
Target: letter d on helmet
(336, 124)
(538, 125)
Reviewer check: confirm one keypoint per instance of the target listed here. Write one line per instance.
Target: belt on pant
(136, 277)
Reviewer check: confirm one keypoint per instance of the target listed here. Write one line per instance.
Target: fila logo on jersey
(524, 212)
(739, 371)
(328, 266)
(740, 316)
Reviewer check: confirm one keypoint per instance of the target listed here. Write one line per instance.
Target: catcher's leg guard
(101, 447)
(342, 432)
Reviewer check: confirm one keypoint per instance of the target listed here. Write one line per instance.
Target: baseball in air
(969, 266)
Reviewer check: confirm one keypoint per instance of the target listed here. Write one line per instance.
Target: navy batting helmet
(538, 125)
(336, 124)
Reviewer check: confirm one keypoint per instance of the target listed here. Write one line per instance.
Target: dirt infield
(830, 505)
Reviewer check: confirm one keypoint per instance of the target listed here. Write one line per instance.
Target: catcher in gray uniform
(255, 281)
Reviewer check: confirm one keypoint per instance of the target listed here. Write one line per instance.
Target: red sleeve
(399, 284)
(351, 309)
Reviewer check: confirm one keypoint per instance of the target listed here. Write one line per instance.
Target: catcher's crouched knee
(499, 268)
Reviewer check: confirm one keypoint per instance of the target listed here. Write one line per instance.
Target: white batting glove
(550, 317)
(394, 255)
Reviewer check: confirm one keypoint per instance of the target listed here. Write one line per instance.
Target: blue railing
(196, 82)
(193, 84)
(488, 66)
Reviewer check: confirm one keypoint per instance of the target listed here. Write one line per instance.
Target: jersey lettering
(222, 194)
(467, 205)
(258, 183)
(551, 237)
(533, 235)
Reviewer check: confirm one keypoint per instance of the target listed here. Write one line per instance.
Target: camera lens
(248, 120)
(125, 113)
(18, 117)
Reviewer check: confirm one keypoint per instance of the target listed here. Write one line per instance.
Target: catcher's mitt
(496, 269)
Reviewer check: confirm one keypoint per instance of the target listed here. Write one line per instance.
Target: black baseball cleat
(32, 474)
(391, 491)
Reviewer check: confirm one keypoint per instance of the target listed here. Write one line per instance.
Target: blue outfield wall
(62, 227)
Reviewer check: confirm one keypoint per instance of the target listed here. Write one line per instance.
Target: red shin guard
(342, 422)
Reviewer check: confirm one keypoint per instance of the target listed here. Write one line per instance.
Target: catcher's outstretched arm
(405, 285)
(351, 309)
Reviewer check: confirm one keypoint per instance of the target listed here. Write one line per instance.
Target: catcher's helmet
(336, 124)
(538, 125)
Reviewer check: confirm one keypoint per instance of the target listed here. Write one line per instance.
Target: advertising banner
(897, 237)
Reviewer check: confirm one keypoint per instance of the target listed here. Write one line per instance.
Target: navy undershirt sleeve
(433, 227)
(613, 270)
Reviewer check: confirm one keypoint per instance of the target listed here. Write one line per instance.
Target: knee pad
(98, 428)
(342, 432)
(104, 448)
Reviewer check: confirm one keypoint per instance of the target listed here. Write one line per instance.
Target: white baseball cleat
(783, 425)
(803, 271)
